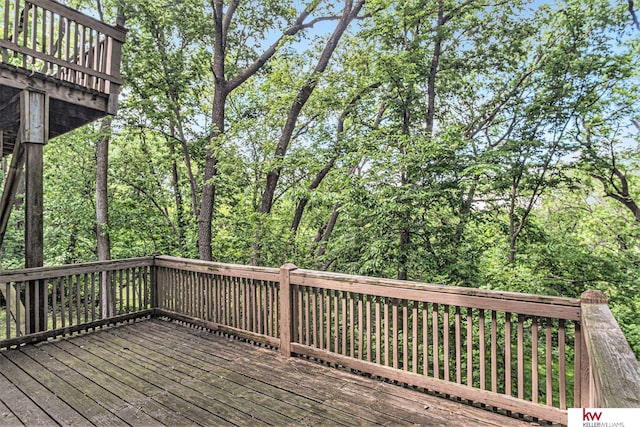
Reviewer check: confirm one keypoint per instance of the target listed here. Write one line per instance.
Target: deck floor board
(157, 372)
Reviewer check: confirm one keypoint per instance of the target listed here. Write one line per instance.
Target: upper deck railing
(527, 354)
(45, 37)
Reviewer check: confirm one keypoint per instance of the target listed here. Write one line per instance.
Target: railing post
(34, 129)
(588, 398)
(614, 373)
(154, 284)
(286, 323)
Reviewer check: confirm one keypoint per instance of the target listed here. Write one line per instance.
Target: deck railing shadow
(525, 354)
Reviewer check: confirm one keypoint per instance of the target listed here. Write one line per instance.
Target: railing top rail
(67, 270)
(300, 274)
(117, 33)
(235, 270)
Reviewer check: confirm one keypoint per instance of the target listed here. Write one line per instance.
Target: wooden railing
(506, 350)
(526, 354)
(45, 37)
(611, 368)
(236, 299)
(73, 298)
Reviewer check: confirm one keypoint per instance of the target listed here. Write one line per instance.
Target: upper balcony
(73, 58)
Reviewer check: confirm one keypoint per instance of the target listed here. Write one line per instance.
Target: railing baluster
(361, 327)
(414, 337)
(470, 347)
(324, 316)
(352, 325)
(93, 297)
(494, 352)
(445, 339)
(300, 314)
(534, 360)
(520, 350)
(405, 335)
(16, 22)
(436, 345)
(78, 300)
(69, 281)
(507, 354)
(343, 298)
(549, 362)
(394, 341)
(458, 345)
(307, 315)
(378, 336)
(19, 329)
(34, 35)
(314, 315)
(425, 339)
(482, 351)
(85, 283)
(562, 374)
(369, 326)
(386, 332)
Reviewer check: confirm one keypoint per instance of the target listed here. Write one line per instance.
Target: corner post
(588, 397)
(286, 323)
(614, 371)
(34, 133)
(154, 284)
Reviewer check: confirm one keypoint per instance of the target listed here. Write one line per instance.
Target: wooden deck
(156, 372)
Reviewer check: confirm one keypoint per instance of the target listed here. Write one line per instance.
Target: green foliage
(496, 137)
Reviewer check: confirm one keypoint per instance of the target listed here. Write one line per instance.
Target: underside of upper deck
(70, 106)
(157, 372)
(52, 49)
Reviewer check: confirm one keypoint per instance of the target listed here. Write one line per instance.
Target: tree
(349, 13)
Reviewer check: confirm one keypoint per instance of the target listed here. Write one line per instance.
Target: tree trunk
(210, 172)
(178, 198)
(222, 88)
(349, 13)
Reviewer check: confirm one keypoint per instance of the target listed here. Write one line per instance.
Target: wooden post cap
(593, 297)
(289, 267)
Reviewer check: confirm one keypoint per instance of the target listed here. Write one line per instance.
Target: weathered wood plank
(88, 408)
(266, 396)
(257, 398)
(127, 393)
(113, 404)
(56, 408)
(366, 411)
(21, 406)
(187, 382)
(6, 416)
(453, 413)
(136, 376)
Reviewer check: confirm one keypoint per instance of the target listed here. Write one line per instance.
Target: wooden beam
(11, 185)
(34, 111)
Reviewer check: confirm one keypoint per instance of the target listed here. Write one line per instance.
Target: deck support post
(286, 323)
(34, 117)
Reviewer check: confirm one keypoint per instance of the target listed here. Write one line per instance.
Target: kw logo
(590, 416)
